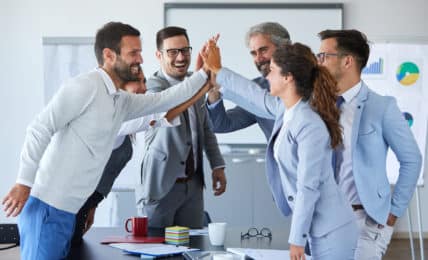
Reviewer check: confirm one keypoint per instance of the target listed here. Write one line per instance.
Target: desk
(91, 249)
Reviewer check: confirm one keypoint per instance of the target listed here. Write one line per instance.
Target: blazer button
(304, 236)
(290, 198)
(182, 162)
(189, 143)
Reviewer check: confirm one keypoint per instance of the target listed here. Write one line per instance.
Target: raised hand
(199, 60)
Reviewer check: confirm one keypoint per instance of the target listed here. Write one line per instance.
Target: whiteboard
(382, 74)
(232, 21)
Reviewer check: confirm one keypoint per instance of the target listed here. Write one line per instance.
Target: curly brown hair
(313, 83)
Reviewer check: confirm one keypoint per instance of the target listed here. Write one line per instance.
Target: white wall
(25, 22)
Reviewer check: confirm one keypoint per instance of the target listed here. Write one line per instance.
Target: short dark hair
(110, 36)
(169, 32)
(351, 42)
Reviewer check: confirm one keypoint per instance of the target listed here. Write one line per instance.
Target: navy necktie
(339, 102)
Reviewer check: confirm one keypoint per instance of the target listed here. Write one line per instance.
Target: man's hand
(199, 60)
(15, 199)
(297, 252)
(89, 220)
(219, 181)
(391, 220)
(214, 95)
(211, 56)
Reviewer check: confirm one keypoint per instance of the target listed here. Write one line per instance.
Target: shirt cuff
(219, 167)
(163, 122)
(213, 105)
(24, 182)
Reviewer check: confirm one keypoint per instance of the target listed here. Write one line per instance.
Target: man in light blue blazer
(262, 40)
(371, 124)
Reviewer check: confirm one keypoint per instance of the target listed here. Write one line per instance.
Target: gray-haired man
(262, 40)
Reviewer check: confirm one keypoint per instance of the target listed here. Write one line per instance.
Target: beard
(263, 67)
(127, 72)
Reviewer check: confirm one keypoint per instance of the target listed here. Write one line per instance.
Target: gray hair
(278, 34)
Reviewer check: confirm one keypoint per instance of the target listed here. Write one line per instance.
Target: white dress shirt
(287, 117)
(344, 176)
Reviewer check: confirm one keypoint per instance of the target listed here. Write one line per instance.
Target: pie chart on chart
(407, 73)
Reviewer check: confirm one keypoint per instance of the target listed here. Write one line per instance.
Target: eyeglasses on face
(172, 53)
(254, 232)
(322, 56)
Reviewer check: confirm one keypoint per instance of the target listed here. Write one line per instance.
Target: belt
(183, 180)
(357, 207)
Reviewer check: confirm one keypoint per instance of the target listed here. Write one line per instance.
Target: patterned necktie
(339, 102)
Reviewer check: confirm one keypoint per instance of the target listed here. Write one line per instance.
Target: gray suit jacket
(167, 149)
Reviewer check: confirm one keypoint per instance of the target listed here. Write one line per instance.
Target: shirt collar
(111, 88)
(172, 81)
(352, 92)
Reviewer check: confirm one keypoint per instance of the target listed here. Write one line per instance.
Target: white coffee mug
(217, 233)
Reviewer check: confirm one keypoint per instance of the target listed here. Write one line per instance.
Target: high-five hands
(199, 61)
(211, 56)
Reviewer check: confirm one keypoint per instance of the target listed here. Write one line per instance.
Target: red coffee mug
(139, 226)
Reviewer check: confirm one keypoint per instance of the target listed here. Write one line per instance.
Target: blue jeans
(45, 232)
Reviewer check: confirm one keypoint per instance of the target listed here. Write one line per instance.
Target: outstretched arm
(243, 92)
(172, 113)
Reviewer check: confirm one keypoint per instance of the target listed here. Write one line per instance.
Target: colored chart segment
(407, 73)
(409, 118)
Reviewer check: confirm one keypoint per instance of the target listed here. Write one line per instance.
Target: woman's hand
(297, 252)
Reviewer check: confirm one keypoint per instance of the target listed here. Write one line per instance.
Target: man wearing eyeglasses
(371, 124)
(262, 39)
(171, 188)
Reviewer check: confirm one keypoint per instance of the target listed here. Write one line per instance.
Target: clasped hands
(209, 60)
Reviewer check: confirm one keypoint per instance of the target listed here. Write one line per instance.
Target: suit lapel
(362, 97)
(272, 171)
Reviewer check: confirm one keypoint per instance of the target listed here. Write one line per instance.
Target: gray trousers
(183, 205)
(373, 240)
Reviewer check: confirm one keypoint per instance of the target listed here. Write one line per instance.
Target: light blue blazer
(309, 190)
(379, 125)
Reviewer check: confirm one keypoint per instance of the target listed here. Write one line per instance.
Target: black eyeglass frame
(254, 232)
(173, 52)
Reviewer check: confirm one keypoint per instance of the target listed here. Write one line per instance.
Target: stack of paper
(177, 235)
(262, 254)
(153, 250)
